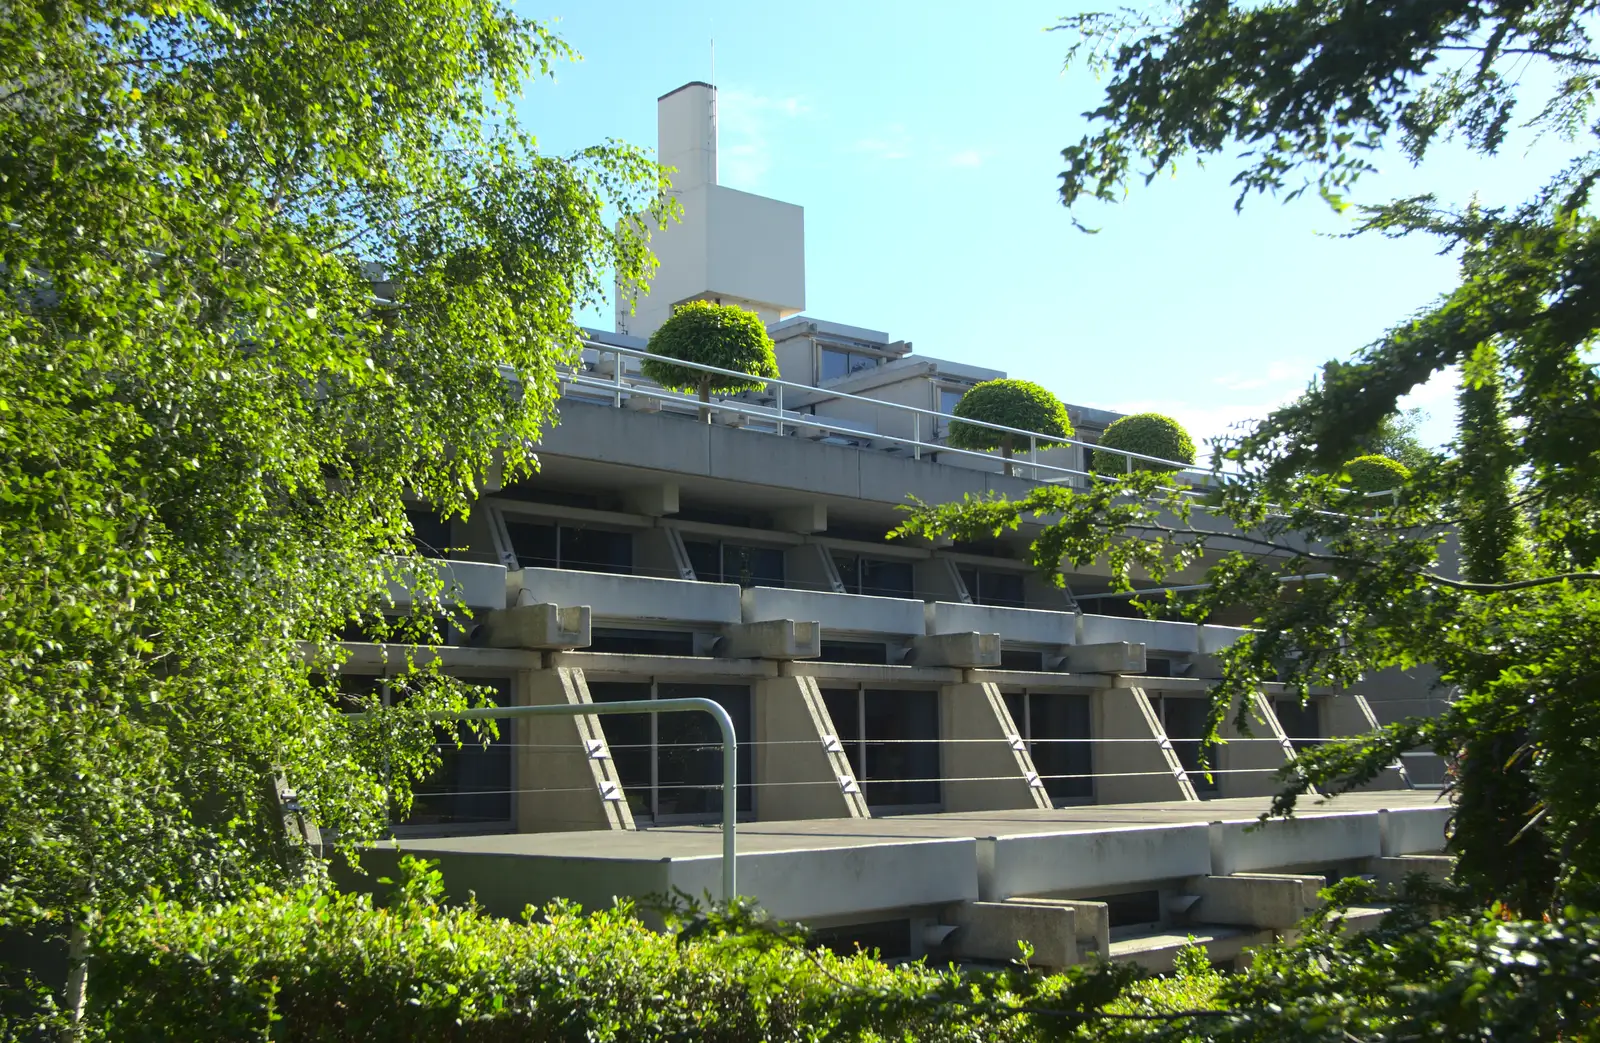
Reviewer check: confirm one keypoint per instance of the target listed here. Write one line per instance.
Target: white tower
(729, 245)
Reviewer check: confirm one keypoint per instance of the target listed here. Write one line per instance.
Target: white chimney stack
(686, 134)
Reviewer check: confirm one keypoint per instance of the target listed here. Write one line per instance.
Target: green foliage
(1150, 434)
(1376, 474)
(710, 334)
(265, 270)
(1021, 404)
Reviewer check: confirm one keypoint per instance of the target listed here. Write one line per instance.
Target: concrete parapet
(1029, 626)
(784, 639)
(1414, 831)
(567, 756)
(968, 651)
(806, 775)
(635, 598)
(839, 613)
(474, 584)
(538, 627)
(986, 767)
(1114, 657)
(1133, 760)
(1255, 900)
(1243, 847)
(1156, 950)
(1100, 861)
(991, 931)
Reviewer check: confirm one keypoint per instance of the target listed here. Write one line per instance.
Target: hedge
(316, 964)
(1376, 474)
(1150, 434)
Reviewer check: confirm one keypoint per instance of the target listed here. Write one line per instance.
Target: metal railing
(619, 384)
(730, 775)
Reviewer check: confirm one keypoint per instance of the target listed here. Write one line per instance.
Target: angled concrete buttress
(799, 756)
(1350, 714)
(985, 767)
(567, 754)
(1130, 772)
(1248, 762)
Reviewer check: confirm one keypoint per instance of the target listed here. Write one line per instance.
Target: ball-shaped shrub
(1012, 403)
(1376, 474)
(1150, 434)
(711, 334)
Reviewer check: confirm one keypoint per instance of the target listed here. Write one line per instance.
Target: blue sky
(923, 140)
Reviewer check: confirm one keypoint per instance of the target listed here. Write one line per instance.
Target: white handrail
(614, 385)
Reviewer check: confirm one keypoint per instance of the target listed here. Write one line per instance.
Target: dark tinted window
(1185, 722)
(1002, 589)
(473, 784)
(1299, 721)
(1058, 725)
(569, 547)
(430, 533)
(679, 770)
(628, 737)
(902, 740)
(747, 566)
(535, 545)
(876, 578)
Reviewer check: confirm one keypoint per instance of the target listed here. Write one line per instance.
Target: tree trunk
(1005, 452)
(705, 396)
(77, 980)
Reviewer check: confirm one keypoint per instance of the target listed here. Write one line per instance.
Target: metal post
(916, 436)
(730, 762)
(780, 410)
(616, 378)
(1033, 457)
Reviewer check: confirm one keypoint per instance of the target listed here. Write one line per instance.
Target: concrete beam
(987, 768)
(653, 500)
(1271, 901)
(543, 627)
(968, 651)
(808, 775)
(1093, 920)
(564, 757)
(990, 931)
(1392, 870)
(771, 639)
(1113, 657)
(807, 517)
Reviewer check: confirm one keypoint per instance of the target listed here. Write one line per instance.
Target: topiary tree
(711, 334)
(1020, 404)
(1149, 434)
(1376, 474)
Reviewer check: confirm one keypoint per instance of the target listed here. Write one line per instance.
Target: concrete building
(936, 744)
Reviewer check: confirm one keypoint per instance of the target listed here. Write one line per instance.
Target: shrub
(721, 335)
(1012, 403)
(315, 964)
(1376, 474)
(1150, 434)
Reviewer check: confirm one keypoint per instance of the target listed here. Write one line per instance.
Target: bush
(314, 964)
(1012, 403)
(1150, 434)
(721, 335)
(1376, 474)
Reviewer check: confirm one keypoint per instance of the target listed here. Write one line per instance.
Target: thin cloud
(744, 124)
(968, 158)
(893, 144)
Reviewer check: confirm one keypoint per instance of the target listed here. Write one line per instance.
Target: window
(1002, 589)
(472, 786)
(837, 363)
(571, 547)
(430, 532)
(948, 397)
(641, 642)
(869, 652)
(1055, 725)
(670, 764)
(884, 579)
(1184, 721)
(1299, 722)
(891, 738)
(718, 562)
